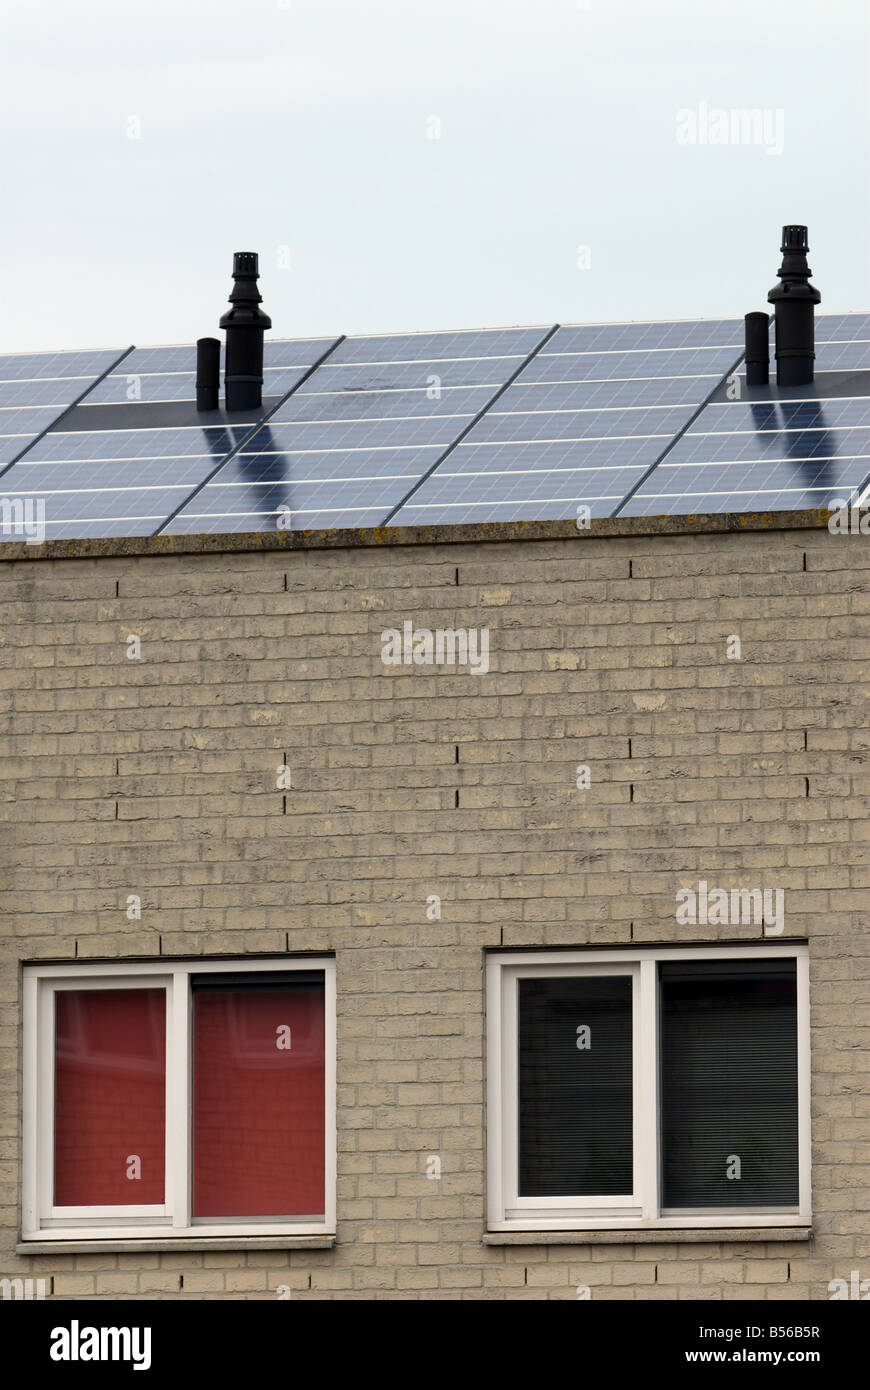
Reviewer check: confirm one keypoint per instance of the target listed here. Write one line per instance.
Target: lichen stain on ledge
(452, 533)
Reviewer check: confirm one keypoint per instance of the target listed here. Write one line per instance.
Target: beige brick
(158, 778)
(75, 1285)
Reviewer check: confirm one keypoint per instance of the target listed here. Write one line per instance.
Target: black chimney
(245, 323)
(208, 373)
(794, 300)
(757, 349)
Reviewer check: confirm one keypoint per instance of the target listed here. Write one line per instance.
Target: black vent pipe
(794, 300)
(208, 373)
(245, 324)
(757, 349)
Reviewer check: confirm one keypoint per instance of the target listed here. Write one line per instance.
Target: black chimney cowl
(245, 323)
(794, 300)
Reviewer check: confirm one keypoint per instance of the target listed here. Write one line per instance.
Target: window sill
(130, 1247)
(662, 1236)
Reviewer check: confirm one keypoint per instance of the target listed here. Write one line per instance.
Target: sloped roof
(512, 424)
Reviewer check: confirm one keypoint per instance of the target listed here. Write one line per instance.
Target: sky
(409, 165)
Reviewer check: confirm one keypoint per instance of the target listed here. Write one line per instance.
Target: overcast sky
(423, 163)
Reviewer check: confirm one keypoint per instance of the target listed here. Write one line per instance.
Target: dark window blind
(729, 1083)
(575, 1103)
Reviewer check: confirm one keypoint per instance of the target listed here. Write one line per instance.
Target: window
(179, 1099)
(660, 1087)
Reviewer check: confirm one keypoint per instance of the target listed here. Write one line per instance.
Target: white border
(174, 1218)
(508, 1212)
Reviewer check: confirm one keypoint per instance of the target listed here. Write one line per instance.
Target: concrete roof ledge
(494, 531)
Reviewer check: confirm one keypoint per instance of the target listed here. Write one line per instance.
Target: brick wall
(157, 777)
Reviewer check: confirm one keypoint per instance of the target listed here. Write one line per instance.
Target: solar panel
(27, 423)
(432, 428)
(679, 333)
(793, 499)
(181, 357)
(574, 486)
(415, 347)
(295, 352)
(178, 357)
(126, 515)
(532, 427)
(572, 396)
(335, 518)
(37, 387)
(35, 366)
(11, 446)
(773, 452)
(96, 474)
(364, 428)
(551, 455)
(264, 499)
(119, 482)
(740, 417)
(650, 387)
(268, 466)
(337, 407)
(762, 445)
(780, 473)
(129, 480)
(368, 434)
(400, 376)
(842, 328)
(128, 385)
(556, 508)
(131, 444)
(790, 484)
(842, 357)
(51, 391)
(616, 366)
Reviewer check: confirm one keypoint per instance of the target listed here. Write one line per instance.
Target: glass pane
(729, 1084)
(575, 1100)
(259, 1101)
(110, 1097)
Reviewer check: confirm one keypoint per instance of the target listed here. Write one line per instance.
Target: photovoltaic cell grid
(169, 373)
(784, 455)
(128, 481)
(423, 428)
(580, 425)
(346, 447)
(36, 387)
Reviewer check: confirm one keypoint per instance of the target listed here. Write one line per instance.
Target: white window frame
(40, 1219)
(640, 1209)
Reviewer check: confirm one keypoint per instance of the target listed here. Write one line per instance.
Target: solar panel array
(772, 455)
(514, 424)
(348, 445)
(580, 425)
(37, 387)
(127, 481)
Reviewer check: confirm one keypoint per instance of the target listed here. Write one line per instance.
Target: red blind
(110, 1088)
(259, 1104)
